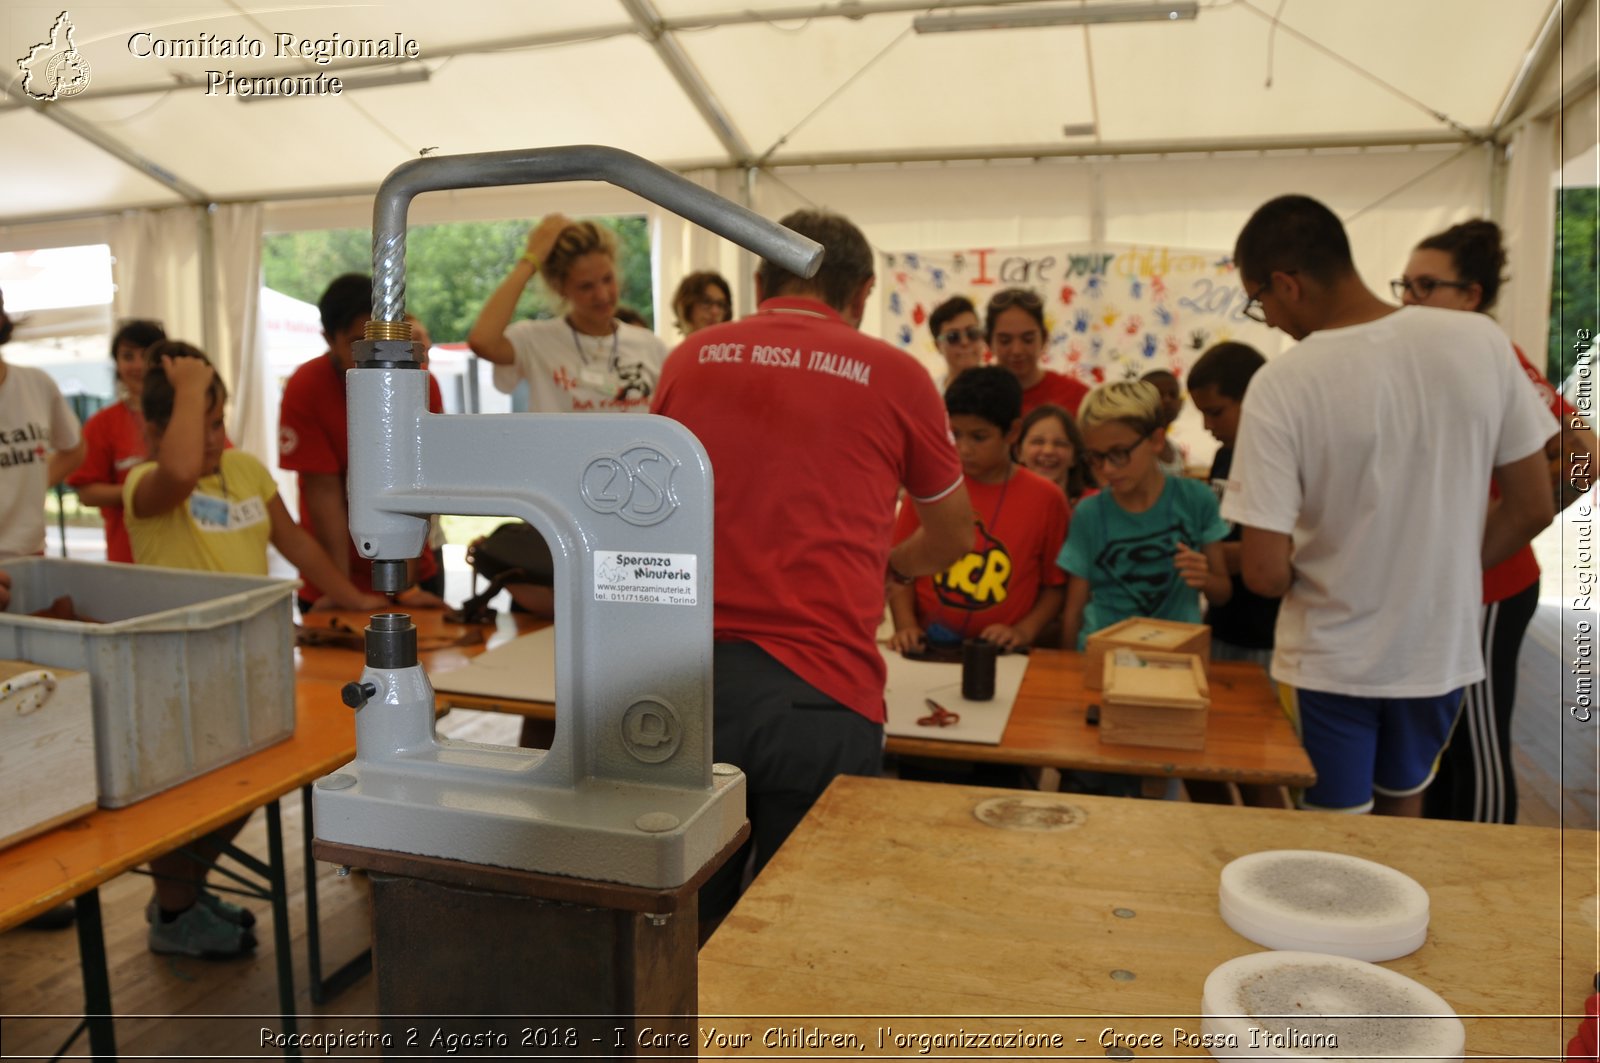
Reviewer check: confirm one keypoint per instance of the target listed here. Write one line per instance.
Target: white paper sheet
(524, 669)
(911, 683)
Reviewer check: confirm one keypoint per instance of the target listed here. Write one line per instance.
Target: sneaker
(231, 912)
(200, 932)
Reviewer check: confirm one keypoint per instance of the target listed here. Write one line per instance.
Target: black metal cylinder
(391, 641)
(977, 669)
(389, 577)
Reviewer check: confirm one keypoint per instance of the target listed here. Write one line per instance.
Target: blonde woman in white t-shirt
(586, 360)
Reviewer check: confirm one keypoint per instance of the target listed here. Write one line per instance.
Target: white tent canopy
(691, 84)
(1401, 114)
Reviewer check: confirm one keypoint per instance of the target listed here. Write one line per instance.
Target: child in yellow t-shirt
(199, 505)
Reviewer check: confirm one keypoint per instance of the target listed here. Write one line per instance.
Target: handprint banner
(1114, 311)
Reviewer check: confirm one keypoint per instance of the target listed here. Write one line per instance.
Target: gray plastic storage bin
(188, 670)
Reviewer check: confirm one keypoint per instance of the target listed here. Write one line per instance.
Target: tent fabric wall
(1529, 226)
(156, 265)
(240, 344)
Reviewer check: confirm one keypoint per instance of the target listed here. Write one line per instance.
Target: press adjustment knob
(356, 695)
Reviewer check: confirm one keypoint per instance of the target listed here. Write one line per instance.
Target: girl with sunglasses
(1148, 544)
(1459, 269)
(1015, 328)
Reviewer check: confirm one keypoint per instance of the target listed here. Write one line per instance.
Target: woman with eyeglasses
(703, 299)
(1015, 328)
(1148, 544)
(1459, 269)
(954, 324)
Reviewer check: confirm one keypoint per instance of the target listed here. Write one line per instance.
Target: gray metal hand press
(628, 793)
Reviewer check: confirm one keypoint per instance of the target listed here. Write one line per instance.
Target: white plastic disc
(1307, 1005)
(1324, 902)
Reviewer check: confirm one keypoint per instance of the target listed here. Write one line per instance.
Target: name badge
(597, 378)
(208, 511)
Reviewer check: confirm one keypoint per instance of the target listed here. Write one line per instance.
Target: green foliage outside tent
(1575, 282)
(450, 269)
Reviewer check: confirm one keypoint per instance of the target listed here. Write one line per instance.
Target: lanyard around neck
(616, 339)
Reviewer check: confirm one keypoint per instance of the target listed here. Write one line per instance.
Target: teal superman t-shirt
(1128, 557)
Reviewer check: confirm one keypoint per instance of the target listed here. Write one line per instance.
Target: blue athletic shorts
(1363, 746)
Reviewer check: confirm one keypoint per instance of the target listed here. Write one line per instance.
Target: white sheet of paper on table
(911, 683)
(524, 669)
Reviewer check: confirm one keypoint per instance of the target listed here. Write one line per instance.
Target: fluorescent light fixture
(1035, 17)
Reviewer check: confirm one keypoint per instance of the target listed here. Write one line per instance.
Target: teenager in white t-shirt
(1357, 480)
(585, 361)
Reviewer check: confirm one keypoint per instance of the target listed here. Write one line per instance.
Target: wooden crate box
(1143, 633)
(1154, 699)
(46, 749)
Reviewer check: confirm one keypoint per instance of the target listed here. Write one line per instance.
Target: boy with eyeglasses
(1148, 544)
(1358, 479)
(957, 334)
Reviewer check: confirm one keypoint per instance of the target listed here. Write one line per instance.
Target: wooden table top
(894, 906)
(37, 874)
(1248, 737)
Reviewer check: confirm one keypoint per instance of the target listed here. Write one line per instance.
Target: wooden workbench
(892, 901)
(1248, 737)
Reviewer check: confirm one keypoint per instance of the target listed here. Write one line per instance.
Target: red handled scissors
(940, 717)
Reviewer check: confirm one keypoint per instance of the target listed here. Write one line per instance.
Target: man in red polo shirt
(812, 429)
(313, 438)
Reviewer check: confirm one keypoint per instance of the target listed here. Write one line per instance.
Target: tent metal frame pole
(844, 9)
(1537, 57)
(111, 146)
(1224, 145)
(1040, 152)
(681, 67)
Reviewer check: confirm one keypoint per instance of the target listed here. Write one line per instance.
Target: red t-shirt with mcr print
(1017, 531)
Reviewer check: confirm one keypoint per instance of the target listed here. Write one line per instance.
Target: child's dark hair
(991, 392)
(1227, 367)
(1079, 476)
(137, 333)
(1475, 251)
(952, 307)
(156, 401)
(346, 298)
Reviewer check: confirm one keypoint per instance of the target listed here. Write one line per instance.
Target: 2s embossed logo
(636, 485)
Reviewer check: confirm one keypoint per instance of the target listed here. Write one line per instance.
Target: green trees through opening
(450, 269)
